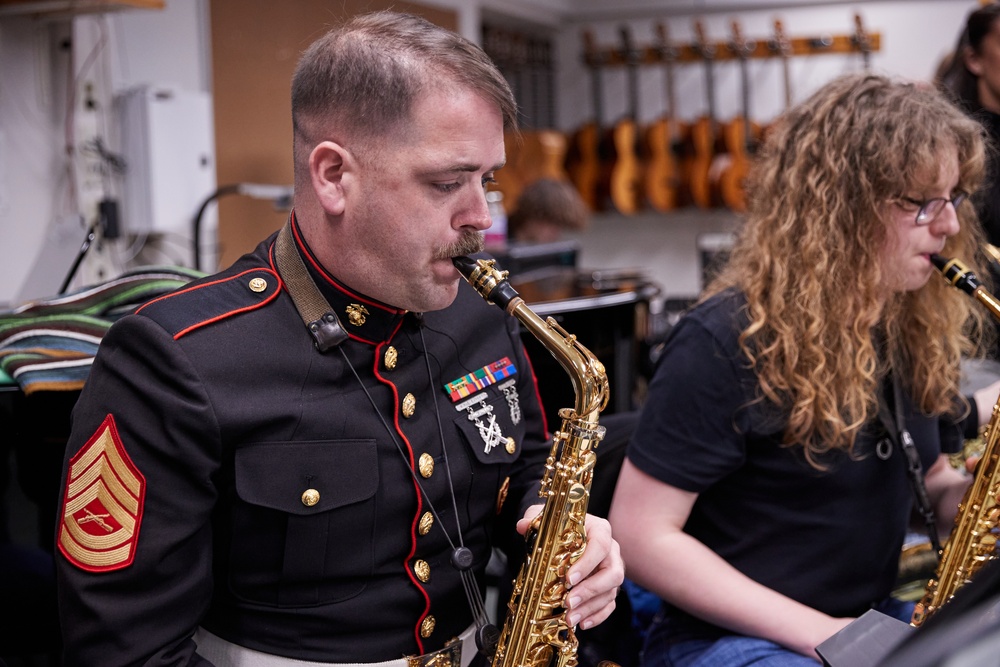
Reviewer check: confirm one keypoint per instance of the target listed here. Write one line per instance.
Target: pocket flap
(277, 475)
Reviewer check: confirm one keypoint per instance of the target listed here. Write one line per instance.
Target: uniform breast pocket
(492, 425)
(303, 521)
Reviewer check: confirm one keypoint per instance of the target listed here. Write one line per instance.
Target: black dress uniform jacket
(224, 473)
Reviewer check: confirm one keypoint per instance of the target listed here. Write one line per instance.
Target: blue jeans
(663, 650)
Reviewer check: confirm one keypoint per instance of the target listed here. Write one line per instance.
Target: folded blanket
(50, 344)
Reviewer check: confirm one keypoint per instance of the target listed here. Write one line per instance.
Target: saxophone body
(973, 537)
(535, 632)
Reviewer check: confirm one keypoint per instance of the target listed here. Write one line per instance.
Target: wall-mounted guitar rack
(770, 47)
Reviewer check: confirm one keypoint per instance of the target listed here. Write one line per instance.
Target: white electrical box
(168, 143)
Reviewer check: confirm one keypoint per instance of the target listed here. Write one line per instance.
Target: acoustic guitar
(704, 134)
(741, 135)
(583, 157)
(626, 170)
(664, 138)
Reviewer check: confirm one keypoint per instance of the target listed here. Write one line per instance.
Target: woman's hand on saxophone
(594, 579)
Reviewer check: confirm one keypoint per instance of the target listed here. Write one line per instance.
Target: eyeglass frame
(923, 206)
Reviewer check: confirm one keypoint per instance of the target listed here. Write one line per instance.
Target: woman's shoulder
(722, 311)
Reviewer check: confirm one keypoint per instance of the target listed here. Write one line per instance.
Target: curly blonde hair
(809, 259)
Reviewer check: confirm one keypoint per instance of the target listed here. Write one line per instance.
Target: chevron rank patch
(102, 505)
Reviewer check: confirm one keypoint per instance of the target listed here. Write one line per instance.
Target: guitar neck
(707, 52)
(595, 89)
(710, 88)
(631, 57)
(743, 48)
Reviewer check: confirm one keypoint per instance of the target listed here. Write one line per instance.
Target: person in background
(245, 485)
(545, 210)
(971, 78)
(765, 495)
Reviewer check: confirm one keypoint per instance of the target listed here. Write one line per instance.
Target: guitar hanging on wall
(626, 170)
(664, 138)
(741, 135)
(704, 133)
(584, 162)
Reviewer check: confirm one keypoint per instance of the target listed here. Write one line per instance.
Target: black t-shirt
(831, 538)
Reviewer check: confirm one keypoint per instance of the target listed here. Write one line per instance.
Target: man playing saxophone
(281, 489)
(804, 407)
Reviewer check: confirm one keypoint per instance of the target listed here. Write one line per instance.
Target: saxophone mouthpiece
(957, 273)
(490, 282)
(939, 262)
(465, 265)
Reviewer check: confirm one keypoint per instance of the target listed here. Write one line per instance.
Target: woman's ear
(972, 61)
(328, 163)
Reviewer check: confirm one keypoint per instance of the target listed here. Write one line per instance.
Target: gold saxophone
(973, 541)
(535, 630)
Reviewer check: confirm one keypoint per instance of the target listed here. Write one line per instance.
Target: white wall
(38, 212)
(41, 60)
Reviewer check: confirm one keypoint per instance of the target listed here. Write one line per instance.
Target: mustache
(470, 243)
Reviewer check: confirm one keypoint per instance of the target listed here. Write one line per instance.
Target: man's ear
(328, 164)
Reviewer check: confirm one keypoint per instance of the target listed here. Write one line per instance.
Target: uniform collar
(365, 319)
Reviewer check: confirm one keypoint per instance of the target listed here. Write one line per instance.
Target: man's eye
(448, 187)
(488, 180)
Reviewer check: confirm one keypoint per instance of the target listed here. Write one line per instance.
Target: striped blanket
(49, 345)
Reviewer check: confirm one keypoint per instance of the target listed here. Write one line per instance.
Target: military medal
(489, 431)
(509, 389)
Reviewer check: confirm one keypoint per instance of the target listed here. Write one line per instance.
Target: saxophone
(535, 632)
(973, 538)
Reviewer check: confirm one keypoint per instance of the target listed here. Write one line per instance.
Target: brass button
(391, 356)
(426, 465)
(511, 446)
(426, 521)
(409, 405)
(427, 627)
(310, 497)
(423, 570)
(258, 285)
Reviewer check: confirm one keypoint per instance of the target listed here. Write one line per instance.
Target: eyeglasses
(929, 209)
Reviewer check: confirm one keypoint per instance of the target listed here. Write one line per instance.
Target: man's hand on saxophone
(593, 580)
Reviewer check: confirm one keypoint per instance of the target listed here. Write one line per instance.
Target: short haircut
(361, 79)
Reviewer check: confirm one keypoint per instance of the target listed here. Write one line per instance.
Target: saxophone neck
(587, 373)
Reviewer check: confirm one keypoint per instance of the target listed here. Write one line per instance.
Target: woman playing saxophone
(764, 498)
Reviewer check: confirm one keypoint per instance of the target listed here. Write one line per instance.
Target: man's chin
(442, 296)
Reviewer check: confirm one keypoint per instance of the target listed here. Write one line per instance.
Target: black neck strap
(895, 424)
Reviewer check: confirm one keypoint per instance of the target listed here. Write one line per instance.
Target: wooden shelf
(72, 7)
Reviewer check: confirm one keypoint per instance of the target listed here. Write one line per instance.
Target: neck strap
(900, 436)
(319, 318)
